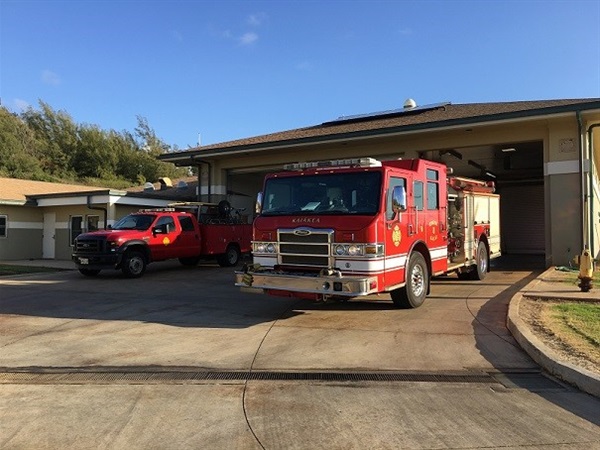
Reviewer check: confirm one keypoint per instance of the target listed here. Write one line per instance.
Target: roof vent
(165, 183)
(410, 103)
(148, 186)
(182, 184)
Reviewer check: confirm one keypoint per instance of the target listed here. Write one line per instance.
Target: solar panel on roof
(388, 113)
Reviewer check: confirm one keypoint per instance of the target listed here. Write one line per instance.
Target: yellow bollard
(586, 271)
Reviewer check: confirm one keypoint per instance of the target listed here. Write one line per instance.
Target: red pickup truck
(188, 232)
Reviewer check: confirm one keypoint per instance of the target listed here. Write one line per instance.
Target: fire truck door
(397, 226)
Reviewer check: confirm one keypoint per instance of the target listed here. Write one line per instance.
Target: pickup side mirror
(399, 199)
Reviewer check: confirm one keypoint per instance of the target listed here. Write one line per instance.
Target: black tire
(413, 294)
(189, 260)
(133, 265)
(231, 256)
(482, 259)
(89, 272)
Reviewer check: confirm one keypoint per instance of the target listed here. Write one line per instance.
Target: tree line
(47, 145)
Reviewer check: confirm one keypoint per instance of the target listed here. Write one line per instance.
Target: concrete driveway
(181, 359)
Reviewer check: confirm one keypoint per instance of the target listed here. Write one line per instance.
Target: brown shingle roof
(441, 115)
(17, 190)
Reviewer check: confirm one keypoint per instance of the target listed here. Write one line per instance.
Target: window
(432, 189)
(166, 223)
(418, 195)
(394, 182)
(186, 223)
(3, 226)
(92, 223)
(76, 227)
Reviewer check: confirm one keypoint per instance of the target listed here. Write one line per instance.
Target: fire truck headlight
(355, 250)
(340, 250)
(270, 248)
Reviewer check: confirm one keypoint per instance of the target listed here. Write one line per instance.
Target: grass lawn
(578, 325)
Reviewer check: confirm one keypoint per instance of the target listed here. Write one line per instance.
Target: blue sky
(233, 69)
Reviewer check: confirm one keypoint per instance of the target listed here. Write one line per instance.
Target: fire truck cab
(348, 228)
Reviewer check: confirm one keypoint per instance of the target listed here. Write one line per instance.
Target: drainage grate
(153, 376)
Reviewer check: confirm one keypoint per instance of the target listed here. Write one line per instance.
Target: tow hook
(586, 271)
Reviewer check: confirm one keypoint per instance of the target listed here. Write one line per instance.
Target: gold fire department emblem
(396, 236)
(166, 241)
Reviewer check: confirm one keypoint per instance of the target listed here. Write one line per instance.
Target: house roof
(17, 190)
(387, 122)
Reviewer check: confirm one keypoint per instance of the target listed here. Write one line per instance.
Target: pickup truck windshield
(339, 194)
(139, 222)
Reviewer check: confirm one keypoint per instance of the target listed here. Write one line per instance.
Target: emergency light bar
(354, 162)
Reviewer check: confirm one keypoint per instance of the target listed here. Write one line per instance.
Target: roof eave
(190, 157)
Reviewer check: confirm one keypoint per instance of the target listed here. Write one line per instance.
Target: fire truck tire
(134, 264)
(89, 272)
(231, 256)
(482, 259)
(413, 294)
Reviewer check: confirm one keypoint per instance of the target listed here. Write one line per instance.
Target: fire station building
(540, 154)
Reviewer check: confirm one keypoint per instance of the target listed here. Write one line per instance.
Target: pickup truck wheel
(89, 272)
(133, 265)
(482, 260)
(190, 260)
(413, 294)
(230, 258)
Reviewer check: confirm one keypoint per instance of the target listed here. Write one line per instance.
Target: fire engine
(355, 227)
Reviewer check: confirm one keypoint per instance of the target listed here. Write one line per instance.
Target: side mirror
(259, 202)
(158, 230)
(399, 199)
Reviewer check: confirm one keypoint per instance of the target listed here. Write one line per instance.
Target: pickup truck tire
(413, 294)
(134, 264)
(89, 272)
(231, 256)
(190, 260)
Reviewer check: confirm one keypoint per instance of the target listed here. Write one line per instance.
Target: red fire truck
(348, 228)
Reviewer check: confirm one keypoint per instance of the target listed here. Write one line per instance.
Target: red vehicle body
(342, 229)
(164, 233)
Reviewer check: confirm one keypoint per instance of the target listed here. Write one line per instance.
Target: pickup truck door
(163, 243)
(188, 242)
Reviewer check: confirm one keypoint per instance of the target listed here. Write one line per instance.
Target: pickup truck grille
(305, 247)
(94, 245)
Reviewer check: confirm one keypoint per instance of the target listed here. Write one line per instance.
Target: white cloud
(257, 19)
(304, 65)
(177, 35)
(248, 38)
(51, 78)
(21, 105)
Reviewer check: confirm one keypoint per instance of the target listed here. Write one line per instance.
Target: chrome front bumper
(314, 284)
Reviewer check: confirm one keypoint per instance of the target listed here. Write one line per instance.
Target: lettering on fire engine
(433, 236)
(306, 220)
(166, 241)
(396, 236)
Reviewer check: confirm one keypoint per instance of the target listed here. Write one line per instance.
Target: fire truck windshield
(328, 193)
(134, 222)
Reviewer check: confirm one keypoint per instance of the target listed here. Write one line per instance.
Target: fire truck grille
(89, 245)
(307, 248)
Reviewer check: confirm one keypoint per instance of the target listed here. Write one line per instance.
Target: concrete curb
(549, 360)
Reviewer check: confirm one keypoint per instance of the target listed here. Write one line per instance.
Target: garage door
(522, 219)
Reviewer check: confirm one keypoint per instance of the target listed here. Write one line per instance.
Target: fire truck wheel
(482, 259)
(230, 258)
(133, 265)
(89, 272)
(413, 294)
